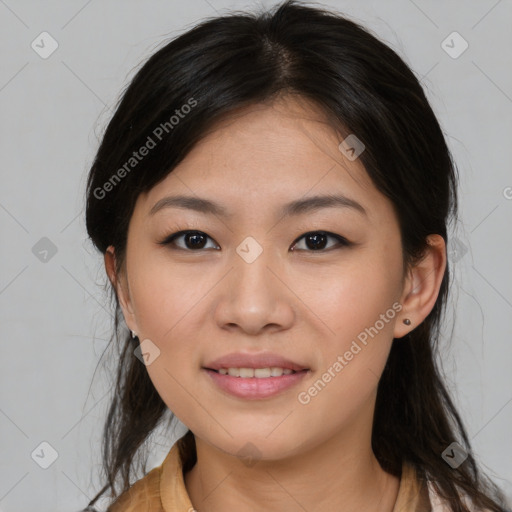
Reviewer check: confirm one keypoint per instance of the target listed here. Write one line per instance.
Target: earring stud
(407, 321)
(134, 334)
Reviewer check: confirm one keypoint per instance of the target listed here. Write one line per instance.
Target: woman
(271, 198)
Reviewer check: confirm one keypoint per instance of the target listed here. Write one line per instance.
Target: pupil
(196, 237)
(318, 243)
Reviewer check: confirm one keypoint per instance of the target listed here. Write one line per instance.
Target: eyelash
(342, 242)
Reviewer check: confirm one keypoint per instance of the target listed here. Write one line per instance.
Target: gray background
(55, 316)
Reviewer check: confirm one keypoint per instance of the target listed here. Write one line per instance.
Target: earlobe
(121, 290)
(422, 286)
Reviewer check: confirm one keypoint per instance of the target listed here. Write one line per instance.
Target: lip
(261, 360)
(253, 388)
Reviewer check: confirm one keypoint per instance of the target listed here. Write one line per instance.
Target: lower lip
(254, 388)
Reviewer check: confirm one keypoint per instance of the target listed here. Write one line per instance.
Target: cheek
(357, 307)
(167, 300)
(164, 294)
(352, 296)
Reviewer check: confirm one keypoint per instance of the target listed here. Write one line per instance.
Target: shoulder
(418, 493)
(441, 505)
(162, 489)
(142, 496)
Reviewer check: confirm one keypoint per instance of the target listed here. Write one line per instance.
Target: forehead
(266, 155)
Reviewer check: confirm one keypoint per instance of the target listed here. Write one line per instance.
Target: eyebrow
(294, 208)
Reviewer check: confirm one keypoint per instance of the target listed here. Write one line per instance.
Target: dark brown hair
(363, 87)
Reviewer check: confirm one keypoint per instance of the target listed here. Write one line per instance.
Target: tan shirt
(163, 490)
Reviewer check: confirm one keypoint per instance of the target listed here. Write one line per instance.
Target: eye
(316, 241)
(194, 240)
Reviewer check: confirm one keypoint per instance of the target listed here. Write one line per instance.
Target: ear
(421, 287)
(121, 287)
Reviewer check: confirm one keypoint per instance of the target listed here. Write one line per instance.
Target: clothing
(163, 490)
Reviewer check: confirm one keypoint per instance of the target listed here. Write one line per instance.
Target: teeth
(259, 373)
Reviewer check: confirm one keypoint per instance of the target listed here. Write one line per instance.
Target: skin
(198, 304)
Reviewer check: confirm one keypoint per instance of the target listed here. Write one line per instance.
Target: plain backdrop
(55, 316)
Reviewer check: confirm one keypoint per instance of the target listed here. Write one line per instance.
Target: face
(320, 286)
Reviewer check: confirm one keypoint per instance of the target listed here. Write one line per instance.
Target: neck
(341, 473)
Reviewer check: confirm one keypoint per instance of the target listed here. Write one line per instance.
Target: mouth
(255, 383)
(254, 375)
(263, 364)
(257, 373)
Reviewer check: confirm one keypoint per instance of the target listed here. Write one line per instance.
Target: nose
(255, 296)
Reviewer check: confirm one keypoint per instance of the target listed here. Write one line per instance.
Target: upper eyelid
(339, 238)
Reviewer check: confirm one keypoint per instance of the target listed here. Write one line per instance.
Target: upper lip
(262, 360)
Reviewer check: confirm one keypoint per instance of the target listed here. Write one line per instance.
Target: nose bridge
(251, 266)
(250, 250)
(254, 296)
